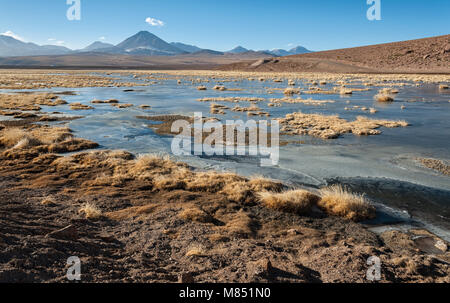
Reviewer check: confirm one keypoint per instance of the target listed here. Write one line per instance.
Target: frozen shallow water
(382, 166)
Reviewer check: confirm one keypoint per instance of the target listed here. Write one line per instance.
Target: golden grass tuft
(384, 98)
(291, 91)
(293, 201)
(338, 201)
(238, 191)
(132, 212)
(11, 136)
(79, 106)
(90, 211)
(196, 251)
(195, 214)
(240, 225)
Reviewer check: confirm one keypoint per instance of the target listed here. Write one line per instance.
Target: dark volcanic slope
(423, 55)
(201, 60)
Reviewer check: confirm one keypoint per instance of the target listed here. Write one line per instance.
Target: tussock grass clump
(291, 91)
(132, 212)
(220, 88)
(338, 201)
(258, 184)
(384, 98)
(196, 251)
(211, 182)
(240, 225)
(90, 211)
(168, 183)
(331, 127)
(156, 164)
(238, 191)
(11, 136)
(110, 101)
(79, 106)
(121, 106)
(293, 201)
(195, 214)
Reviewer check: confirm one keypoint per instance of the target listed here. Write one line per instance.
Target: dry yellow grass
(291, 91)
(196, 251)
(384, 98)
(331, 127)
(293, 201)
(220, 88)
(29, 102)
(126, 105)
(195, 214)
(240, 225)
(337, 201)
(231, 99)
(79, 106)
(132, 212)
(90, 211)
(11, 136)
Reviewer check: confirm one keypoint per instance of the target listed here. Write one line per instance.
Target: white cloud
(60, 42)
(51, 39)
(154, 22)
(102, 38)
(12, 35)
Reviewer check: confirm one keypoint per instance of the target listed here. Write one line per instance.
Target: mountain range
(143, 43)
(274, 52)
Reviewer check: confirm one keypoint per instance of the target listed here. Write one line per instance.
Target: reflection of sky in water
(389, 155)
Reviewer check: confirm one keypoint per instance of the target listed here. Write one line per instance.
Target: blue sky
(256, 24)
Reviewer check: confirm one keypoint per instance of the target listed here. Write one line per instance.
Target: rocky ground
(430, 55)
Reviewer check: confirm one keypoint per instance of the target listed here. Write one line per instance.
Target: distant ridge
(143, 43)
(238, 50)
(186, 47)
(97, 45)
(13, 47)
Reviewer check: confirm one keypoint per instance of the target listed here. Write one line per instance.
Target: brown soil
(429, 55)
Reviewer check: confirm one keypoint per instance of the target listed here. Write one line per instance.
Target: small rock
(447, 49)
(409, 51)
(185, 278)
(426, 57)
(67, 233)
(262, 268)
